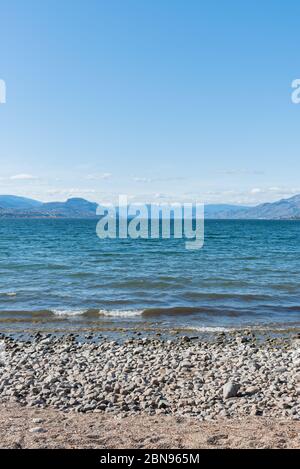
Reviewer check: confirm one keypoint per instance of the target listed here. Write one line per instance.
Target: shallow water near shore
(57, 275)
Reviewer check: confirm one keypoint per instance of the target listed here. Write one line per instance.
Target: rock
(186, 364)
(243, 339)
(17, 445)
(230, 389)
(185, 338)
(251, 390)
(37, 430)
(256, 411)
(37, 420)
(163, 404)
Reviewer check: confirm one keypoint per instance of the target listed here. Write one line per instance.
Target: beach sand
(73, 430)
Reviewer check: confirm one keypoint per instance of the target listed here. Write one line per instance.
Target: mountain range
(12, 206)
(21, 207)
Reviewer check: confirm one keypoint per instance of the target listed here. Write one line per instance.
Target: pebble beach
(233, 377)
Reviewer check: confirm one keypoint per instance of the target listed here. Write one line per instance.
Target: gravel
(231, 377)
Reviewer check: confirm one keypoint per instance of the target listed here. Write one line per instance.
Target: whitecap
(68, 312)
(208, 329)
(117, 313)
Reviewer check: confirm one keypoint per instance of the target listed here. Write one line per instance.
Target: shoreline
(234, 381)
(153, 331)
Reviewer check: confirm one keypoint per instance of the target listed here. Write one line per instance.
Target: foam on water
(68, 312)
(117, 313)
(208, 329)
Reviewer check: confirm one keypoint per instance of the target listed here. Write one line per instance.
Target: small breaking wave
(209, 329)
(68, 312)
(9, 294)
(94, 313)
(120, 313)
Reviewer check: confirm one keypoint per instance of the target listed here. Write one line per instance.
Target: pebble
(37, 430)
(230, 377)
(37, 420)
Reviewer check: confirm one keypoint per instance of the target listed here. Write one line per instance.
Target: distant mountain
(18, 203)
(215, 210)
(20, 207)
(72, 208)
(284, 209)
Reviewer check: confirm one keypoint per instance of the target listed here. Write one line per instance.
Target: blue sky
(160, 99)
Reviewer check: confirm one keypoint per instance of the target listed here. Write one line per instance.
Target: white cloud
(72, 192)
(159, 179)
(255, 190)
(99, 177)
(241, 172)
(142, 179)
(22, 177)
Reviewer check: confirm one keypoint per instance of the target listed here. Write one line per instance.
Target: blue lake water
(59, 274)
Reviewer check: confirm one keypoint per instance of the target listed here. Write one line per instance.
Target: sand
(57, 429)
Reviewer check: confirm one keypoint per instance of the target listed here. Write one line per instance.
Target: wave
(127, 313)
(117, 313)
(150, 312)
(73, 313)
(67, 312)
(209, 329)
(155, 313)
(9, 294)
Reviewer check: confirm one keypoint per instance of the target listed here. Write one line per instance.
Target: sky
(161, 100)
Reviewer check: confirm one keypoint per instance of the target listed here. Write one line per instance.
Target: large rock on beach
(230, 389)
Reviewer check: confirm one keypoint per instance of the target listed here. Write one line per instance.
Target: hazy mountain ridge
(284, 209)
(13, 202)
(215, 210)
(72, 208)
(21, 207)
